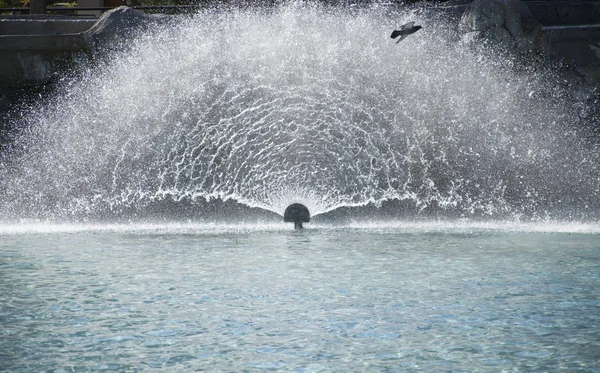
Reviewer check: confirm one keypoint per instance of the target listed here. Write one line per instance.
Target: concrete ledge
(42, 43)
(23, 26)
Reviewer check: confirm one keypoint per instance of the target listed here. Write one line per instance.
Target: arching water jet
(336, 115)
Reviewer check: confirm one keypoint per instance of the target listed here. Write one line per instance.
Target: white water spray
(305, 104)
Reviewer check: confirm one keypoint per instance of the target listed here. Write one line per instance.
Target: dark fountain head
(296, 213)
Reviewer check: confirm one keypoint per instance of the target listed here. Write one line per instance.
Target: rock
(483, 15)
(505, 22)
(118, 25)
(501, 36)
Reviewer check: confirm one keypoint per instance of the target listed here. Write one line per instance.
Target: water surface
(396, 297)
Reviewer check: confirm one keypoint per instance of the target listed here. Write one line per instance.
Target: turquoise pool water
(396, 297)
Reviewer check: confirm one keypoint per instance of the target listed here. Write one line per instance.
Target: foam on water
(305, 104)
(408, 227)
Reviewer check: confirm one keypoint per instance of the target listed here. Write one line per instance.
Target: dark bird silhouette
(404, 31)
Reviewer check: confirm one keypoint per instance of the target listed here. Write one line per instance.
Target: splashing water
(305, 104)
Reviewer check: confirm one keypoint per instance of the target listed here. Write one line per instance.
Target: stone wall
(564, 12)
(563, 31)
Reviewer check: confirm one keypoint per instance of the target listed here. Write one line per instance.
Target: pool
(400, 296)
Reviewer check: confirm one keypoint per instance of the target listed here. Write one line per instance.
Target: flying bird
(404, 31)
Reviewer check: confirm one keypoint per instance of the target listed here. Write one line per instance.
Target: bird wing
(401, 38)
(409, 25)
(395, 34)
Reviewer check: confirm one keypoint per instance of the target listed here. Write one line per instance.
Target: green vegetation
(11, 3)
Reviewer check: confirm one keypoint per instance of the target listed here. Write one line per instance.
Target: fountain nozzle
(296, 213)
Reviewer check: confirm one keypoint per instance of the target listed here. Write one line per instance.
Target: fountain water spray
(306, 104)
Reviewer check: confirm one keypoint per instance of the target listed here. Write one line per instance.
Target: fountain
(298, 103)
(296, 213)
(141, 204)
